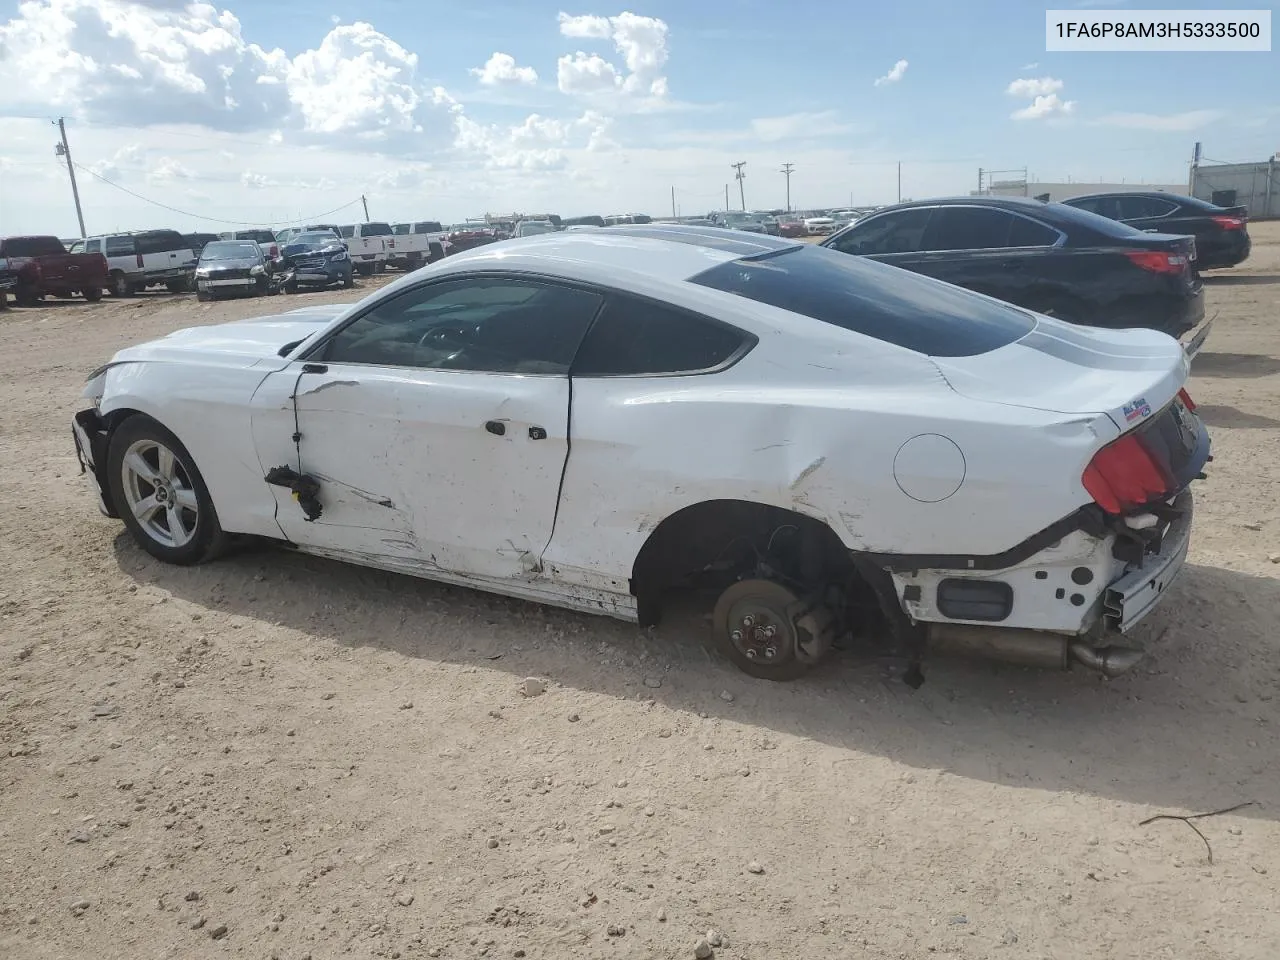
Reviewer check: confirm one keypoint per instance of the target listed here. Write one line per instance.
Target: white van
(146, 258)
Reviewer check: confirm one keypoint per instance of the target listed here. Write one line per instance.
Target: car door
(436, 425)
(1151, 214)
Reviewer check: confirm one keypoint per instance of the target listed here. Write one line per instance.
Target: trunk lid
(1128, 375)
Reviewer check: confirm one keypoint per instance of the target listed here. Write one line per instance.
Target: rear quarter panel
(822, 442)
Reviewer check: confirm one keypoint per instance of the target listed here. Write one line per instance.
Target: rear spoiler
(1241, 212)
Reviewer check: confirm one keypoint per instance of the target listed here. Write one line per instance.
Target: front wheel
(176, 286)
(92, 294)
(160, 495)
(348, 281)
(767, 632)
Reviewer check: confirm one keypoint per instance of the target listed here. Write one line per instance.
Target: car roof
(667, 251)
(1157, 194)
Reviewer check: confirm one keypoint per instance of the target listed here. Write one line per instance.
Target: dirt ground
(275, 756)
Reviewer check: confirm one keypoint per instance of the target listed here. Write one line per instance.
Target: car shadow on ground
(1229, 365)
(1220, 415)
(1239, 279)
(1188, 729)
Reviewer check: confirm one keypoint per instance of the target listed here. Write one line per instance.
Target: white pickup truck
(417, 243)
(369, 245)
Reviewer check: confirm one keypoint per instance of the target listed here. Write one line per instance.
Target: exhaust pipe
(1030, 648)
(1108, 661)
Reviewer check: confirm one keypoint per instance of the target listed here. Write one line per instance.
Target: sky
(211, 116)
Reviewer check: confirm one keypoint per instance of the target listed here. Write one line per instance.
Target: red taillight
(1186, 400)
(1229, 223)
(1123, 475)
(1157, 261)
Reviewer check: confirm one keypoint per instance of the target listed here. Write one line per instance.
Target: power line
(199, 216)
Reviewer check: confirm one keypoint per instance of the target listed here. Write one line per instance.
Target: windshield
(314, 240)
(530, 227)
(874, 299)
(229, 250)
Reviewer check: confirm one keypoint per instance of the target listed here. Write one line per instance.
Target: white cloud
(894, 75)
(166, 170)
(1034, 87)
(129, 158)
(255, 181)
(501, 68)
(129, 63)
(586, 74)
(1045, 106)
(642, 42)
(797, 126)
(1029, 66)
(1171, 122)
(587, 26)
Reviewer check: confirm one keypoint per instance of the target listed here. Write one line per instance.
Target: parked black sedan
(1047, 257)
(1222, 233)
(231, 266)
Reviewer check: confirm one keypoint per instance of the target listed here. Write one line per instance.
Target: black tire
(207, 540)
(770, 601)
(349, 281)
(291, 286)
(27, 295)
(204, 296)
(380, 267)
(176, 286)
(92, 294)
(120, 285)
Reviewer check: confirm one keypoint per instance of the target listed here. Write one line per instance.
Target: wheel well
(719, 541)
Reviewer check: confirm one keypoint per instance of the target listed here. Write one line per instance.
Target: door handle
(537, 433)
(496, 427)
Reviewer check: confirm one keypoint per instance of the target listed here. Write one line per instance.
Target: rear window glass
(1065, 217)
(874, 299)
(403, 228)
(428, 226)
(376, 230)
(32, 246)
(261, 236)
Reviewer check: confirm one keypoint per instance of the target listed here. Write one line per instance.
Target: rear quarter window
(121, 247)
(347, 231)
(635, 337)
(874, 299)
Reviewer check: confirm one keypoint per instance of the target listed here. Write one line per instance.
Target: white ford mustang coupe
(599, 419)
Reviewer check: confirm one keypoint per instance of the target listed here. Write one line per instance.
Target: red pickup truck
(43, 266)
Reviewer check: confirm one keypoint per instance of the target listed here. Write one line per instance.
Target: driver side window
(490, 325)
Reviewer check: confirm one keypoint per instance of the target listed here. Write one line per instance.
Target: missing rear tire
(769, 632)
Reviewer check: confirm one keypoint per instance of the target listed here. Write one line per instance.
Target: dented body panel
(548, 487)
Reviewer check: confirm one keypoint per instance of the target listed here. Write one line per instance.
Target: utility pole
(899, 181)
(726, 198)
(673, 203)
(64, 150)
(786, 171)
(740, 176)
(366, 207)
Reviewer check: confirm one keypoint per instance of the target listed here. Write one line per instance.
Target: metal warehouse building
(1253, 185)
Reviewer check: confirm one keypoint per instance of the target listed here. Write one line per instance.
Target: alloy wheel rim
(159, 493)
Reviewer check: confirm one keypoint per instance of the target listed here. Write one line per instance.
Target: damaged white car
(834, 447)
